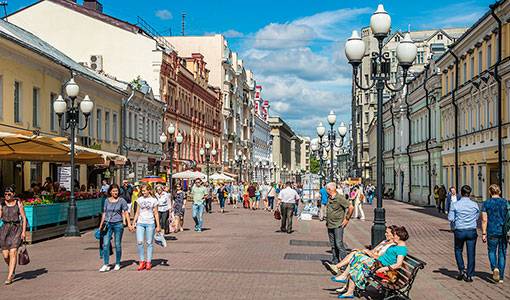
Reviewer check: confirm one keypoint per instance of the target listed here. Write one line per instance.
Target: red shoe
(141, 266)
(148, 266)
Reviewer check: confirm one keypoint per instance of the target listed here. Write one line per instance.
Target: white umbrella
(188, 174)
(221, 177)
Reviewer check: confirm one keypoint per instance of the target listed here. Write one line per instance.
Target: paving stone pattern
(241, 256)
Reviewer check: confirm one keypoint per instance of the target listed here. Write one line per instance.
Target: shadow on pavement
(171, 238)
(127, 263)
(453, 274)
(30, 274)
(160, 262)
(429, 211)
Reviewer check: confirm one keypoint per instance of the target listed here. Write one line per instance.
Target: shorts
(252, 199)
(257, 198)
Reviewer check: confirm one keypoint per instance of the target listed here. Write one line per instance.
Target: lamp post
(72, 120)
(239, 161)
(321, 131)
(170, 146)
(331, 137)
(207, 153)
(380, 23)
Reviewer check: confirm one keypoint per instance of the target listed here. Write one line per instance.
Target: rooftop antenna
(183, 22)
(4, 4)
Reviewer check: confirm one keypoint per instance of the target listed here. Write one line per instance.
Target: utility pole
(183, 23)
(4, 4)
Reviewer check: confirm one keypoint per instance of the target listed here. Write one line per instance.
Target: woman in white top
(164, 204)
(358, 204)
(235, 194)
(146, 218)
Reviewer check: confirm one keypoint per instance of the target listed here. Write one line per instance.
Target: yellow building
(469, 105)
(32, 75)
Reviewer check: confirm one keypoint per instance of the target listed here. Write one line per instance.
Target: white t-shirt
(454, 199)
(163, 201)
(146, 205)
(288, 195)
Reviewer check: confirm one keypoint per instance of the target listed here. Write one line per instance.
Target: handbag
(277, 214)
(23, 258)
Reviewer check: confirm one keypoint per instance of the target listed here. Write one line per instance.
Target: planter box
(54, 214)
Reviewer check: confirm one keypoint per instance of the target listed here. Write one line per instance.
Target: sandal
(8, 281)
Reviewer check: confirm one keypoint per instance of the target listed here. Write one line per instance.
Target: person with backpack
(494, 231)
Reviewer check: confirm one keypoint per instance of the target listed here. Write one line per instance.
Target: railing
(154, 33)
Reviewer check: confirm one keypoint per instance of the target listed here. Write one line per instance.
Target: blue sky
(295, 47)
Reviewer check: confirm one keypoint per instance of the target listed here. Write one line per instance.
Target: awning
(221, 177)
(15, 146)
(188, 174)
(98, 156)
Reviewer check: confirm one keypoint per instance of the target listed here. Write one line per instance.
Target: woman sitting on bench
(362, 265)
(375, 253)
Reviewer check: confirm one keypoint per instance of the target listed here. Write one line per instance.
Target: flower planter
(54, 214)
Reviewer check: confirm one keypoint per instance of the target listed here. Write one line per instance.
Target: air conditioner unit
(96, 62)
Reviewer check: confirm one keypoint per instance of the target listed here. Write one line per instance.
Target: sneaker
(104, 268)
(116, 268)
(199, 230)
(495, 274)
(148, 266)
(500, 281)
(141, 266)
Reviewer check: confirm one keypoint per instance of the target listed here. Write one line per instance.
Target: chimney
(93, 5)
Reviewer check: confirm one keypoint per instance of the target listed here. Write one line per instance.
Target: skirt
(10, 236)
(360, 269)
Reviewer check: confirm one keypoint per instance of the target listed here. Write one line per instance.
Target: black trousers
(287, 212)
(336, 240)
(163, 221)
(208, 204)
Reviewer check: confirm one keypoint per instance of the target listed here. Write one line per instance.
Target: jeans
(322, 212)
(145, 234)
(296, 206)
(270, 202)
(467, 236)
(197, 213)
(287, 210)
(370, 198)
(336, 240)
(497, 246)
(117, 229)
(163, 221)
(222, 202)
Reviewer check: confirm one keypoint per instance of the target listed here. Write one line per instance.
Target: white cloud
(164, 14)
(302, 67)
(231, 33)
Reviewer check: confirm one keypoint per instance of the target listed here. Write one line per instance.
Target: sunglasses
(8, 193)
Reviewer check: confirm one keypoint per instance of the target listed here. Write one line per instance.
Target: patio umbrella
(221, 177)
(188, 174)
(156, 179)
(15, 146)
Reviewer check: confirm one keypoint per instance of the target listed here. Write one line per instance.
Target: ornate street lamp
(380, 23)
(239, 161)
(207, 153)
(332, 138)
(168, 139)
(72, 120)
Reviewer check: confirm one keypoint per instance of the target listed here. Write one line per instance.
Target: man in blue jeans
(494, 214)
(463, 216)
(198, 194)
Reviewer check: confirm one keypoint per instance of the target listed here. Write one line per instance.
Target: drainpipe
(498, 80)
(393, 148)
(456, 117)
(124, 124)
(408, 149)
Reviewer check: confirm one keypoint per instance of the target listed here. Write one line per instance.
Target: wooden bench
(405, 279)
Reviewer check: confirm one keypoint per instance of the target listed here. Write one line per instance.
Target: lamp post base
(72, 226)
(379, 226)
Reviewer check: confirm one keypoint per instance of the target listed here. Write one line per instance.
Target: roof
(33, 43)
(89, 12)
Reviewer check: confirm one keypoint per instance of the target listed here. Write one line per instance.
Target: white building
(261, 151)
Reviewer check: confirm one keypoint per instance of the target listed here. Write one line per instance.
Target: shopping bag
(277, 214)
(160, 240)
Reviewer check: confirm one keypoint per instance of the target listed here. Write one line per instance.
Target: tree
(314, 165)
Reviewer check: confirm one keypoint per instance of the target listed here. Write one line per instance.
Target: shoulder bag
(23, 258)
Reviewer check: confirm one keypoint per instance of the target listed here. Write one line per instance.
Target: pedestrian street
(240, 255)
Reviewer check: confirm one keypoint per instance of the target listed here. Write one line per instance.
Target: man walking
(198, 194)
(126, 191)
(442, 199)
(286, 200)
(338, 213)
(463, 215)
(494, 217)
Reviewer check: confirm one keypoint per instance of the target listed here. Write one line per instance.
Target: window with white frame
(36, 107)
(115, 127)
(107, 126)
(99, 124)
(17, 101)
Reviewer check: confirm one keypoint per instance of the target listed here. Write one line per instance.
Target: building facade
(237, 85)
(283, 138)
(475, 120)
(430, 43)
(32, 75)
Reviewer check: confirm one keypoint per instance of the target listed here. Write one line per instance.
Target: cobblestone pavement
(241, 256)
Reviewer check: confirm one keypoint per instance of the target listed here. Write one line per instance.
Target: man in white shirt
(287, 200)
